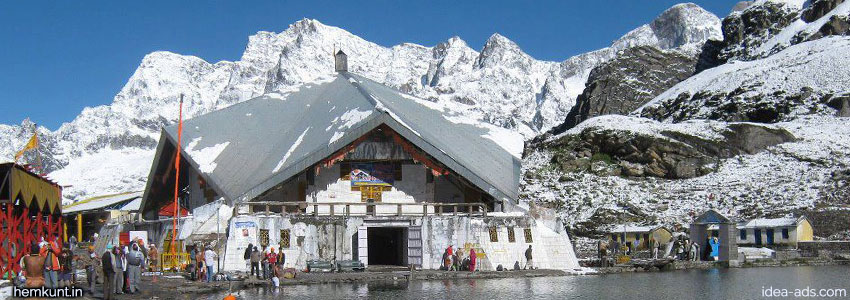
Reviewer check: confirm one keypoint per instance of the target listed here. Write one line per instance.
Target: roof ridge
(84, 201)
(354, 81)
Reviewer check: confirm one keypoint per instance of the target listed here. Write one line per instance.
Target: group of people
(456, 261)
(690, 250)
(122, 267)
(58, 263)
(682, 248)
(605, 251)
(266, 264)
(202, 262)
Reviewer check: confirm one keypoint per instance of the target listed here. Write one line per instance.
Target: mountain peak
(500, 42)
(680, 25)
(455, 41)
(687, 14)
(306, 25)
(685, 24)
(499, 39)
(27, 123)
(502, 51)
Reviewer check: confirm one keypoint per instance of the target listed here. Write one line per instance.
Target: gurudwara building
(348, 169)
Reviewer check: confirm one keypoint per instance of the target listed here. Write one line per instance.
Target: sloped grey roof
(777, 222)
(101, 202)
(248, 148)
(712, 217)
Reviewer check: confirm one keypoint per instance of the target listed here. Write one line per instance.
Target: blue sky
(57, 57)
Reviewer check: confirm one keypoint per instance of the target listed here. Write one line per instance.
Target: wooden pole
(79, 227)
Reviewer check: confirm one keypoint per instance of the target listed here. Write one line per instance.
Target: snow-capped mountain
(780, 90)
(108, 148)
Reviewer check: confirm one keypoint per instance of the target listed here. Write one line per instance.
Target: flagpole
(177, 180)
(17, 156)
(38, 149)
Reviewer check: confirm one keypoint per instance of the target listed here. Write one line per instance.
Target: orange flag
(32, 144)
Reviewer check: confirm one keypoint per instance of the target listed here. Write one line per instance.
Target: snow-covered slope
(785, 177)
(799, 80)
(785, 86)
(108, 149)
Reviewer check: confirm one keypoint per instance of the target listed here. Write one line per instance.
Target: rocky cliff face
(108, 149)
(662, 152)
(807, 79)
(764, 28)
(687, 149)
(783, 61)
(627, 82)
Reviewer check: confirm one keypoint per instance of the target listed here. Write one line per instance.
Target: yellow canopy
(31, 187)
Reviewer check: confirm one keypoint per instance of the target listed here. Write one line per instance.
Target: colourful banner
(372, 174)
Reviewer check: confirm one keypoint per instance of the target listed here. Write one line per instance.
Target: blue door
(770, 236)
(758, 236)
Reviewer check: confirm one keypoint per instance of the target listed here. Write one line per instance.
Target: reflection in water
(688, 284)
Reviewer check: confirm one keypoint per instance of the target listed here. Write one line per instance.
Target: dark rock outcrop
(709, 56)
(841, 104)
(734, 106)
(625, 83)
(836, 25)
(817, 9)
(672, 155)
(747, 29)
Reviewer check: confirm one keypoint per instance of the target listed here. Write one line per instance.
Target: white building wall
(412, 189)
(551, 250)
(777, 236)
(315, 240)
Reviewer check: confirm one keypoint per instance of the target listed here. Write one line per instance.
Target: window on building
(743, 234)
(264, 237)
(527, 232)
(784, 233)
(397, 171)
(511, 235)
(494, 235)
(284, 239)
(371, 192)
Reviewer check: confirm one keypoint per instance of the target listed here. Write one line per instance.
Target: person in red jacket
(447, 260)
(51, 263)
(272, 258)
(472, 260)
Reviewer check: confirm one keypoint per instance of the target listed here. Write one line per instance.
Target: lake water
(747, 283)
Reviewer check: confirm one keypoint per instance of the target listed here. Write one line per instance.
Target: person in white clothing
(210, 258)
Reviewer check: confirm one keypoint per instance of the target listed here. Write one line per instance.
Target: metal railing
(173, 261)
(356, 208)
